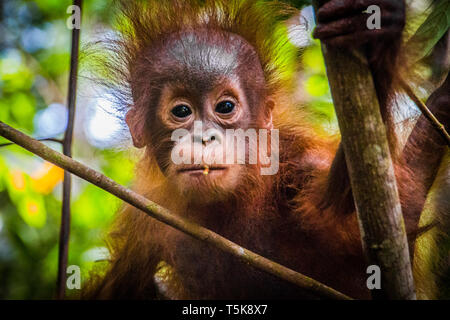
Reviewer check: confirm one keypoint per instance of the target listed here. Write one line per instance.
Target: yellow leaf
(18, 180)
(46, 178)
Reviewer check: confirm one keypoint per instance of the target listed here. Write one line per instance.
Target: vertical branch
(371, 171)
(67, 150)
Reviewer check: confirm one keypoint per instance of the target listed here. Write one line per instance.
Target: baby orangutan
(228, 66)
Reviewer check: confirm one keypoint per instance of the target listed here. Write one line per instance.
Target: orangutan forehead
(209, 54)
(200, 61)
(206, 55)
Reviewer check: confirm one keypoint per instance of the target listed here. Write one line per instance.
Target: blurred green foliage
(34, 65)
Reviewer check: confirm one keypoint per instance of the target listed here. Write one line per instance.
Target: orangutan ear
(268, 111)
(136, 127)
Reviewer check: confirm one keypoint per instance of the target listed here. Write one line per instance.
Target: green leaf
(429, 33)
(432, 247)
(317, 85)
(32, 210)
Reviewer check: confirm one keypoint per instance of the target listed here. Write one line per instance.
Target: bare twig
(425, 111)
(154, 210)
(44, 139)
(67, 150)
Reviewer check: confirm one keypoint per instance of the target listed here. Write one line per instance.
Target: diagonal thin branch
(154, 210)
(44, 139)
(425, 111)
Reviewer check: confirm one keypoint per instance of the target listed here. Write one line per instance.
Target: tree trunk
(371, 171)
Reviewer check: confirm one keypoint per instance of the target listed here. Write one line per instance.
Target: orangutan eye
(225, 107)
(181, 111)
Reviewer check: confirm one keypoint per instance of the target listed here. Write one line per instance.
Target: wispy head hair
(144, 24)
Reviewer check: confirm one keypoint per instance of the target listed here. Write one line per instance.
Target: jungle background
(34, 66)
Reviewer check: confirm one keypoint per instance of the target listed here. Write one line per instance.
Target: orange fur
(283, 217)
